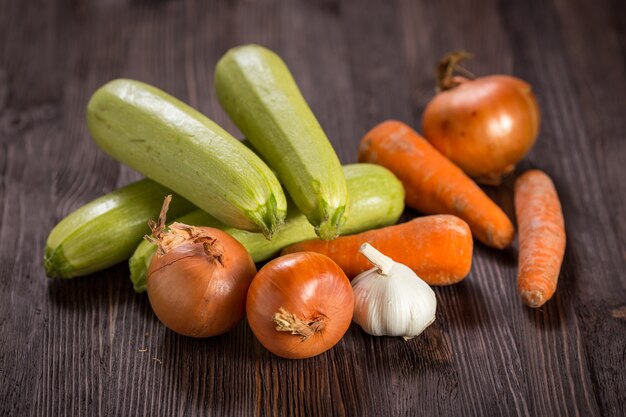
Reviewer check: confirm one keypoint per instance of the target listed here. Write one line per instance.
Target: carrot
(437, 248)
(541, 237)
(433, 184)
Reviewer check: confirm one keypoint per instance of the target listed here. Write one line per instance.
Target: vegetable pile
(329, 232)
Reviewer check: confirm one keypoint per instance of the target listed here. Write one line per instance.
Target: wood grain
(91, 346)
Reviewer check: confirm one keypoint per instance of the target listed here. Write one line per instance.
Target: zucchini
(175, 145)
(376, 200)
(107, 230)
(260, 95)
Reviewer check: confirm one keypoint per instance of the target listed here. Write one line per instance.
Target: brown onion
(300, 305)
(484, 125)
(198, 280)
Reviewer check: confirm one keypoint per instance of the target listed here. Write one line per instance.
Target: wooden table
(77, 347)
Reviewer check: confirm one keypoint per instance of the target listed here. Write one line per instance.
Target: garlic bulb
(390, 299)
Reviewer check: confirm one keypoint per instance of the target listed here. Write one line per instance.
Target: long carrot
(433, 184)
(541, 237)
(437, 248)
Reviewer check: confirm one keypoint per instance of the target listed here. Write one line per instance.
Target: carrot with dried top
(541, 237)
(437, 248)
(433, 184)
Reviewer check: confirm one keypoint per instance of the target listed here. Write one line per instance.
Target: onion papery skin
(193, 293)
(312, 287)
(485, 126)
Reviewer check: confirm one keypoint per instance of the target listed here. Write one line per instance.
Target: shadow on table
(100, 290)
(216, 373)
(464, 306)
(117, 324)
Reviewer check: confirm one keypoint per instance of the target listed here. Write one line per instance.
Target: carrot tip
(533, 299)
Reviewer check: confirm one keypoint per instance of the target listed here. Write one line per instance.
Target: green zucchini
(175, 145)
(107, 230)
(260, 95)
(376, 200)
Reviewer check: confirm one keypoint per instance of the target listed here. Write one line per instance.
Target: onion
(300, 305)
(198, 279)
(484, 125)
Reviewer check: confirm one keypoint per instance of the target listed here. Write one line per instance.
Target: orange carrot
(541, 237)
(437, 248)
(433, 184)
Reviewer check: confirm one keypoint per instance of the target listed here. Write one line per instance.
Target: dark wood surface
(76, 347)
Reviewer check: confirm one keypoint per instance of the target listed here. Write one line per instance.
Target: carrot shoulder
(433, 184)
(541, 237)
(437, 248)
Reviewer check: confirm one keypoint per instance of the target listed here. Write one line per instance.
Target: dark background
(73, 347)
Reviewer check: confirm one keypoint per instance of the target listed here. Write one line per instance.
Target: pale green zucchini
(260, 95)
(107, 230)
(376, 200)
(175, 145)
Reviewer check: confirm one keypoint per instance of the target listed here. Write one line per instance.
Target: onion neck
(168, 238)
(448, 66)
(159, 228)
(289, 322)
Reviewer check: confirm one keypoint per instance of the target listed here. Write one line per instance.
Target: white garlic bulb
(390, 299)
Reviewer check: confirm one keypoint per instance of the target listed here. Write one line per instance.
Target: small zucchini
(175, 145)
(260, 95)
(107, 230)
(376, 200)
